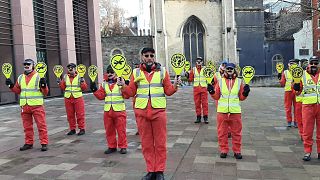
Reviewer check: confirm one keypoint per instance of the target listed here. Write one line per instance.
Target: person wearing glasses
(115, 116)
(200, 94)
(150, 84)
(73, 85)
(289, 96)
(229, 91)
(31, 89)
(309, 87)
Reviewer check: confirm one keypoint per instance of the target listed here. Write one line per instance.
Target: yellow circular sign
(127, 72)
(93, 72)
(178, 62)
(7, 70)
(248, 73)
(279, 67)
(208, 74)
(297, 72)
(58, 70)
(187, 66)
(210, 63)
(81, 69)
(118, 62)
(292, 67)
(41, 68)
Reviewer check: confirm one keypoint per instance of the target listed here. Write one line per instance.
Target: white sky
(130, 6)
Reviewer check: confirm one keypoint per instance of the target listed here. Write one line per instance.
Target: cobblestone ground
(270, 150)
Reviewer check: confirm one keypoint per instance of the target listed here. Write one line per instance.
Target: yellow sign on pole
(248, 73)
(81, 69)
(279, 67)
(213, 67)
(178, 62)
(7, 70)
(292, 67)
(118, 63)
(58, 70)
(187, 66)
(127, 72)
(297, 73)
(41, 68)
(210, 63)
(209, 74)
(93, 72)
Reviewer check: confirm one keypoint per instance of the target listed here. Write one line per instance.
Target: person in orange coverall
(309, 87)
(31, 89)
(73, 85)
(229, 91)
(150, 84)
(200, 94)
(115, 117)
(289, 96)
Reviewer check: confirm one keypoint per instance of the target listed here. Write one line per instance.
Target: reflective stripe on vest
(30, 93)
(72, 87)
(199, 78)
(113, 98)
(229, 101)
(153, 90)
(310, 92)
(289, 80)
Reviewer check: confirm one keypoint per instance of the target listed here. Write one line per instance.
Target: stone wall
(129, 46)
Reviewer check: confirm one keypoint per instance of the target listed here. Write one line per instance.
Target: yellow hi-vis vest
(299, 98)
(72, 87)
(229, 101)
(199, 78)
(218, 75)
(30, 93)
(289, 80)
(311, 91)
(153, 90)
(113, 98)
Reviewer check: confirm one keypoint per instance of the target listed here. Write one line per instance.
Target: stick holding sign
(93, 72)
(58, 70)
(41, 68)
(7, 70)
(81, 69)
(247, 74)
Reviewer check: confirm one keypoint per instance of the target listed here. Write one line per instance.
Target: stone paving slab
(270, 150)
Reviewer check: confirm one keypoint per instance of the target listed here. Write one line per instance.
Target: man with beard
(31, 89)
(229, 91)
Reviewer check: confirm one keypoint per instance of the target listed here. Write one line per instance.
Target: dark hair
(145, 50)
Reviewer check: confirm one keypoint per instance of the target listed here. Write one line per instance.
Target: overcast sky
(130, 6)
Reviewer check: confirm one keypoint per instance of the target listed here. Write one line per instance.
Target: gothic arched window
(193, 38)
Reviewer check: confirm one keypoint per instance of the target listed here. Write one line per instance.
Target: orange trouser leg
(80, 112)
(27, 120)
(120, 124)
(318, 128)
(39, 115)
(70, 110)
(197, 101)
(204, 102)
(298, 117)
(110, 128)
(308, 116)
(222, 129)
(289, 101)
(236, 132)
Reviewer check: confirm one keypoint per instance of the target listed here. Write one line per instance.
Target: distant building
(316, 27)
(143, 20)
(303, 41)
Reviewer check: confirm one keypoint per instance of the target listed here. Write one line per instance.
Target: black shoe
(205, 118)
(44, 147)
(301, 138)
(318, 155)
(149, 176)
(198, 119)
(295, 124)
(110, 150)
(137, 133)
(229, 134)
(71, 132)
(123, 151)
(289, 125)
(237, 155)
(223, 155)
(81, 132)
(26, 147)
(307, 157)
(159, 175)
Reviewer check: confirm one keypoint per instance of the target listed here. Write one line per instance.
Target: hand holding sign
(7, 70)
(297, 73)
(279, 67)
(187, 66)
(93, 72)
(81, 69)
(248, 73)
(41, 68)
(58, 70)
(127, 72)
(118, 63)
(178, 62)
(209, 74)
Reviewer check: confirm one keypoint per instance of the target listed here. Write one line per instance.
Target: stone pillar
(95, 36)
(66, 32)
(23, 32)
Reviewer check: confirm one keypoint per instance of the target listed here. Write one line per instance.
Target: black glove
(43, 82)
(93, 87)
(81, 79)
(9, 83)
(279, 76)
(210, 89)
(296, 86)
(246, 90)
(127, 82)
(187, 75)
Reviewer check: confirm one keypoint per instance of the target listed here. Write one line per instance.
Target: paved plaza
(270, 150)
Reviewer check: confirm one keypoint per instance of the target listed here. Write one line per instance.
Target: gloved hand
(279, 76)
(246, 90)
(58, 80)
(81, 79)
(296, 86)
(210, 89)
(127, 82)
(93, 86)
(9, 83)
(43, 82)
